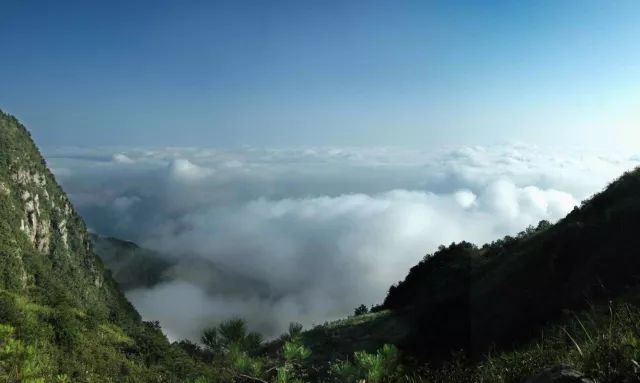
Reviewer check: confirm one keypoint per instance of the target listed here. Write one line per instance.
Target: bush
(361, 310)
(18, 362)
(383, 366)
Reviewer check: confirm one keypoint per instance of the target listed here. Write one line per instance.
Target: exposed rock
(24, 177)
(62, 230)
(559, 374)
(98, 281)
(43, 237)
(36, 228)
(4, 189)
(24, 277)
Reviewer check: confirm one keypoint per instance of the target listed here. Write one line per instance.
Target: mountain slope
(465, 297)
(501, 296)
(132, 266)
(55, 297)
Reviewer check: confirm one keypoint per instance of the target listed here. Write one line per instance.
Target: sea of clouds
(308, 234)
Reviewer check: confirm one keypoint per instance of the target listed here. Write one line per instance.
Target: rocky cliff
(57, 300)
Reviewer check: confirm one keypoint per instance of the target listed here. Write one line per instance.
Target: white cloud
(465, 198)
(122, 158)
(306, 235)
(184, 170)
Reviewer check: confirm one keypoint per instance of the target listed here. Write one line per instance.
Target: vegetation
(383, 366)
(487, 314)
(465, 297)
(62, 316)
(19, 362)
(131, 265)
(602, 342)
(361, 310)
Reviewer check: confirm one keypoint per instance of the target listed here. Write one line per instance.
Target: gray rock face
(559, 374)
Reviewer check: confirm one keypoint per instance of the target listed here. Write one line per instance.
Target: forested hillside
(62, 315)
(131, 266)
(566, 293)
(470, 297)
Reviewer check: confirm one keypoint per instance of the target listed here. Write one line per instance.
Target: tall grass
(603, 343)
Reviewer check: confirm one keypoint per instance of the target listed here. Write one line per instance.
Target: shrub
(383, 366)
(361, 310)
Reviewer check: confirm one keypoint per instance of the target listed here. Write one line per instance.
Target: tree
(18, 362)
(294, 353)
(383, 366)
(361, 310)
(231, 334)
(234, 349)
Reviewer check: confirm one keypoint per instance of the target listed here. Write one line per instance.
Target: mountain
(61, 312)
(558, 293)
(471, 298)
(476, 314)
(131, 266)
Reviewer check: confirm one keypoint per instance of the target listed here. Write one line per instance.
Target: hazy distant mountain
(136, 267)
(131, 265)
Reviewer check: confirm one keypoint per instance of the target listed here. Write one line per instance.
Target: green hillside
(564, 293)
(473, 298)
(131, 266)
(62, 316)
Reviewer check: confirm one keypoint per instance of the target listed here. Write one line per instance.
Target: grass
(341, 338)
(603, 343)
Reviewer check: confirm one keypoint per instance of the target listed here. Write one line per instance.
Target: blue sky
(303, 73)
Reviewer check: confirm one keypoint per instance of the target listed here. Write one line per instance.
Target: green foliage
(294, 354)
(294, 351)
(241, 362)
(503, 293)
(382, 366)
(233, 349)
(293, 333)
(231, 334)
(132, 266)
(603, 343)
(236, 354)
(18, 362)
(70, 321)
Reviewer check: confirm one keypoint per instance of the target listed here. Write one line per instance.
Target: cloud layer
(308, 234)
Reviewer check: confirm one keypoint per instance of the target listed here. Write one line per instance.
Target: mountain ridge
(497, 297)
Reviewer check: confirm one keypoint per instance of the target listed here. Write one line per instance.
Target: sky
(420, 74)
